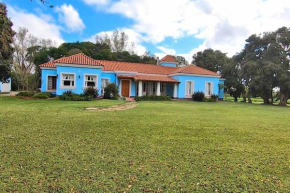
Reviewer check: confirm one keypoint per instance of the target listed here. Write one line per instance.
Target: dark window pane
(91, 84)
(66, 83)
(73, 83)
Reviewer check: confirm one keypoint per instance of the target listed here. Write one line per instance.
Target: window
(154, 87)
(144, 86)
(162, 85)
(51, 84)
(208, 88)
(90, 80)
(68, 80)
(105, 82)
(189, 88)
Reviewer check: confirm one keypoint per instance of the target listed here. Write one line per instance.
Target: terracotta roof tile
(191, 69)
(136, 67)
(155, 78)
(169, 58)
(126, 76)
(80, 59)
(48, 65)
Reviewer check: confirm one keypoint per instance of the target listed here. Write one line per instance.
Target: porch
(142, 85)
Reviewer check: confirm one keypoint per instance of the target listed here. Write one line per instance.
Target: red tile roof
(154, 78)
(48, 65)
(82, 59)
(169, 58)
(191, 69)
(136, 67)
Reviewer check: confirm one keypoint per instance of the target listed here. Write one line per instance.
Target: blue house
(5, 86)
(79, 71)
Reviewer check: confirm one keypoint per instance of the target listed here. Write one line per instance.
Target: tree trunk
(266, 101)
(244, 97)
(283, 100)
(236, 99)
(249, 99)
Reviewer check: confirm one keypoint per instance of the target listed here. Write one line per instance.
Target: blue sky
(178, 27)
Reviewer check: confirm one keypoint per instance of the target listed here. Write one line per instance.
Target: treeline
(259, 69)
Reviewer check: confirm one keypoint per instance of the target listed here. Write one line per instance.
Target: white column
(175, 90)
(140, 88)
(158, 93)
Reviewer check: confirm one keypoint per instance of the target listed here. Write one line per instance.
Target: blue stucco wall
(0, 86)
(44, 74)
(221, 90)
(169, 89)
(167, 64)
(80, 75)
(111, 76)
(199, 84)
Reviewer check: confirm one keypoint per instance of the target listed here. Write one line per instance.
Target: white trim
(175, 90)
(103, 90)
(129, 87)
(192, 88)
(47, 83)
(67, 87)
(84, 80)
(183, 74)
(205, 93)
(78, 65)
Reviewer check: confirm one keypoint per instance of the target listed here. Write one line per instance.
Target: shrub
(111, 92)
(26, 93)
(70, 96)
(198, 96)
(91, 91)
(209, 100)
(214, 96)
(42, 95)
(153, 98)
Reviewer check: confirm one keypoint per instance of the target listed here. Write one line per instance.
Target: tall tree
(181, 61)
(6, 38)
(210, 59)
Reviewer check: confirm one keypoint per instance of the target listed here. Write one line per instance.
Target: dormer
(168, 61)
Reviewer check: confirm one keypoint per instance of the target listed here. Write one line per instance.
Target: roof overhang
(200, 75)
(78, 65)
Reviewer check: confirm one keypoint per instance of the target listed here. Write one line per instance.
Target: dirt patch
(126, 106)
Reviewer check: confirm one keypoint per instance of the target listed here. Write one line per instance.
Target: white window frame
(206, 91)
(103, 89)
(62, 80)
(85, 80)
(192, 88)
(47, 82)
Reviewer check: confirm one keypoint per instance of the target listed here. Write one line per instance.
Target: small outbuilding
(5, 86)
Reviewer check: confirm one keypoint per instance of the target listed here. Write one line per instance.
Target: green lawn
(52, 145)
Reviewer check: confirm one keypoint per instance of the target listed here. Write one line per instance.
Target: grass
(173, 146)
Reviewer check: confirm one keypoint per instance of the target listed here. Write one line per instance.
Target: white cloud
(223, 24)
(69, 16)
(42, 27)
(97, 2)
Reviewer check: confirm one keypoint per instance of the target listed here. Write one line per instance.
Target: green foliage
(41, 95)
(210, 59)
(198, 96)
(6, 38)
(214, 96)
(26, 93)
(91, 91)
(209, 100)
(75, 97)
(111, 91)
(153, 98)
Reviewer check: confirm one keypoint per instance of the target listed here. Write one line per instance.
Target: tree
(6, 38)
(260, 64)
(210, 59)
(45, 2)
(181, 61)
(118, 41)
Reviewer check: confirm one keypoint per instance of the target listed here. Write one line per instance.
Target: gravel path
(126, 106)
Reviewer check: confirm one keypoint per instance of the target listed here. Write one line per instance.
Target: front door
(125, 88)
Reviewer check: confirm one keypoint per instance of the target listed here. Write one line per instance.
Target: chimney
(157, 60)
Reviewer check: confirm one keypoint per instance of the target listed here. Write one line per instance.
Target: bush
(198, 96)
(153, 98)
(70, 96)
(111, 92)
(91, 91)
(42, 95)
(209, 100)
(214, 96)
(26, 93)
